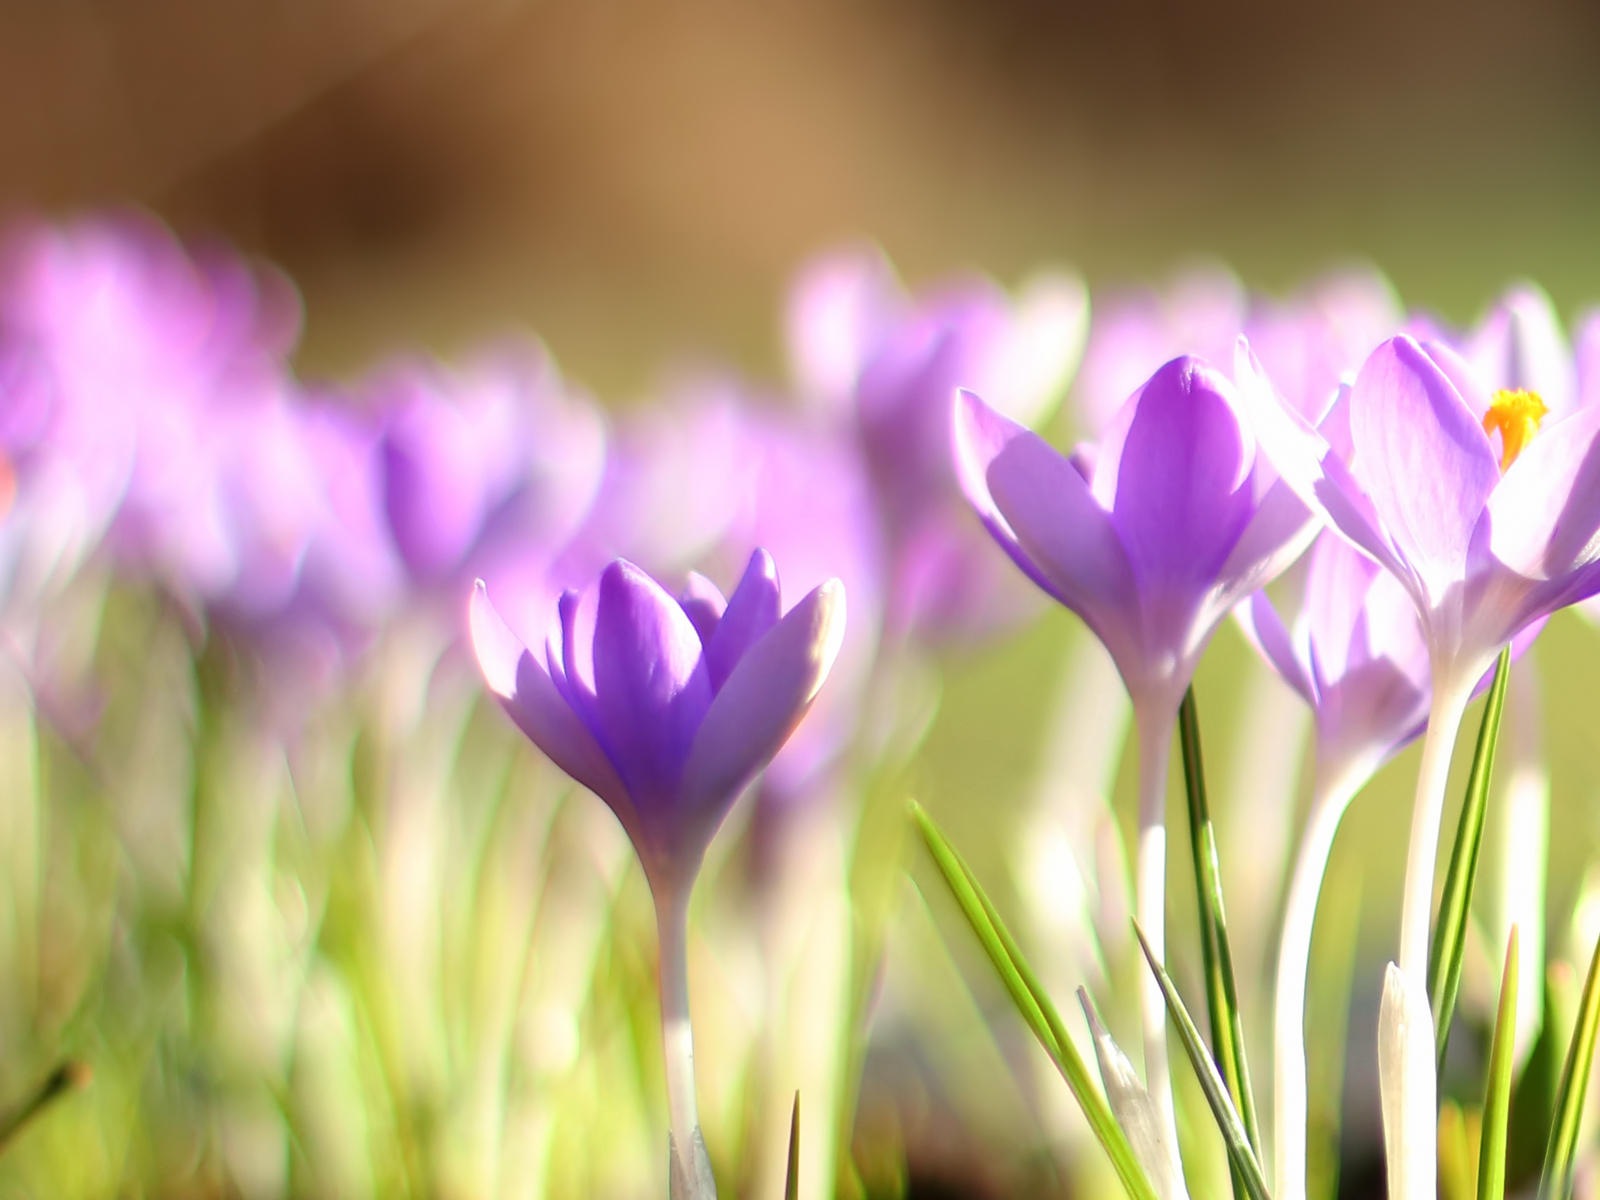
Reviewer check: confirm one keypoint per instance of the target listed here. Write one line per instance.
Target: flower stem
(1155, 725)
(1450, 699)
(689, 1168)
(1331, 797)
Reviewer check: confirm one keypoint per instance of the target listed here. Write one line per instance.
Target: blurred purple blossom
(881, 366)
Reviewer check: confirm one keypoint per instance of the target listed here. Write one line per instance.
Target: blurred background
(634, 179)
(637, 182)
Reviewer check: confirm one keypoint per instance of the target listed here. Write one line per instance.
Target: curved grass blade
(1033, 1005)
(1222, 997)
(1450, 932)
(1555, 1182)
(1497, 1089)
(791, 1182)
(1241, 1157)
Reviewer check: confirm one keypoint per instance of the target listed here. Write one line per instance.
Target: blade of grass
(791, 1182)
(1222, 997)
(1497, 1089)
(1240, 1155)
(1555, 1182)
(1130, 1102)
(1450, 930)
(1033, 1005)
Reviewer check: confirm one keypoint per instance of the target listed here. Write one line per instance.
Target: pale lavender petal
(651, 689)
(1544, 518)
(1305, 460)
(1520, 345)
(1039, 508)
(1423, 458)
(1264, 629)
(752, 610)
(840, 308)
(528, 694)
(762, 701)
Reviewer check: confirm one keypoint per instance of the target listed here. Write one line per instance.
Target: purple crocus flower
(1355, 652)
(665, 709)
(1151, 536)
(1485, 539)
(881, 365)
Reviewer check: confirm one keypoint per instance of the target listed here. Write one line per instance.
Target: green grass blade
(791, 1182)
(1497, 1090)
(1555, 1182)
(1222, 997)
(1033, 1005)
(1240, 1154)
(1450, 931)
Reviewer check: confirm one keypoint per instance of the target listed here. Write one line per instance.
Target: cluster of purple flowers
(152, 425)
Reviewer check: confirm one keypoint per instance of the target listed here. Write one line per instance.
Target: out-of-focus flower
(1310, 341)
(665, 708)
(481, 463)
(883, 365)
(1151, 536)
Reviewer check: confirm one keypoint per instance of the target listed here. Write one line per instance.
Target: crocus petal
(1520, 345)
(651, 688)
(1306, 461)
(1173, 473)
(1423, 458)
(1040, 510)
(1264, 629)
(754, 712)
(527, 693)
(1544, 518)
(703, 603)
(752, 610)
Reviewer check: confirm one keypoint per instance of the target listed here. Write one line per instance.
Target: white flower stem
(1155, 724)
(1331, 797)
(689, 1168)
(1450, 697)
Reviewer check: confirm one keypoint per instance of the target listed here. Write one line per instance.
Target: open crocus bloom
(1487, 523)
(665, 708)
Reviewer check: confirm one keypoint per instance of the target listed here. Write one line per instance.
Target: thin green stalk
(1222, 996)
(1497, 1088)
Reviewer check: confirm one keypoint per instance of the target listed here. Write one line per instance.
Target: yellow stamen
(1515, 415)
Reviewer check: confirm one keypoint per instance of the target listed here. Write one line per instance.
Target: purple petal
(762, 701)
(1175, 473)
(1305, 460)
(703, 603)
(527, 693)
(1520, 345)
(1544, 517)
(752, 610)
(651, 689)
(1264, 629)
(1039, 508)
(1423, 458)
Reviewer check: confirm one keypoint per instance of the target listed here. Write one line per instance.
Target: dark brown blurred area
(633, 179)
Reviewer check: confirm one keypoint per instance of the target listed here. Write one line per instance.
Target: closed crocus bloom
(1151, 536)
(665, 709)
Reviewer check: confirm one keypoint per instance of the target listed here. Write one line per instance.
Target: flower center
(1515, 415)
